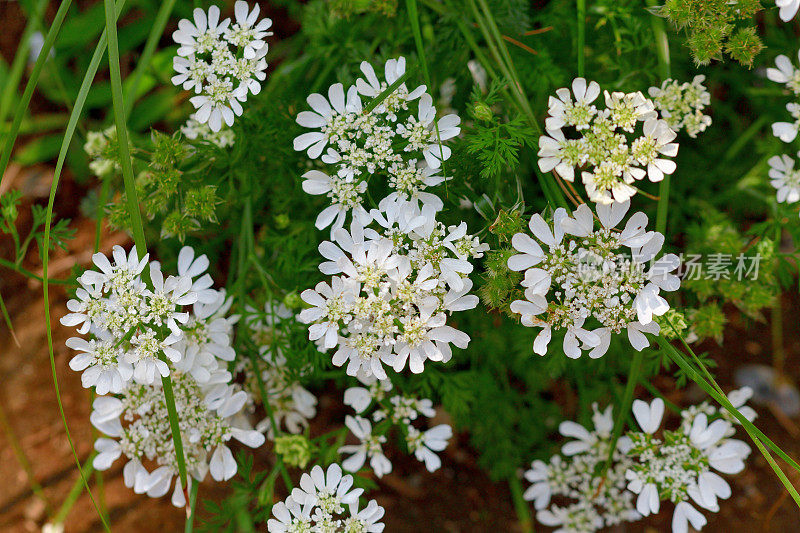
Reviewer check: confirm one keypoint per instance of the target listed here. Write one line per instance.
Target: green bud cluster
(714, 28)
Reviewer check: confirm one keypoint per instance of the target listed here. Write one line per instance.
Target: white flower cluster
(398, 409)
(139, 427)
(193, 129)
(603, 141)
(592, 273)
(220, 61)
(139, 334)
(787, 74)
(601, 496)
(96, 147)
(680, 465)
(783, 174)
(390, 140)
(136, 330)
(291, 404)
(319, 505)
(392, 289)
(682, 104)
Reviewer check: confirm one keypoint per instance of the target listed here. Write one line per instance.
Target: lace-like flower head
(137, 427)
(220, 61)
(132, 325)
(601, 141)
(601, 498)
(680, 466)
(387, 412)
(575, 273)
(682, 104)
(397, 139)
(392, 290)
(325, 501)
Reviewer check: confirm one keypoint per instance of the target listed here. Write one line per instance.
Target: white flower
(648, 416)
(788, 9)
(319, 505)
(787, 131)
(578, 114)
(423, 445)
(785, 178)
(359, 398)
(785, 73)
(396, 288)
(585, 274)
(206, 424)
(195, 130)
(101, 363)
(345, 196)
(200, 36)
(333, 116)
(244, 32)
(326, 488)
(682, 105)
(678, 466)
(370, 447)
(591, 477)
(394, 69)
(422, 133)
(599, 141)
(222, 63)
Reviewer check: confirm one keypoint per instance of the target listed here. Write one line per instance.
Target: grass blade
(137, 229)
(147, 54)
(69, 132)
(22, 105)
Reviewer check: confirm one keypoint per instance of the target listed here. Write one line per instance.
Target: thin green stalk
(625, 406)
(520, 505)
(156, 31)
(754, 433)
(7, 320)
(101, 202)
(20, 60)
(581, 38)
(189, 527)
(501, 56)
(74, 492)
(375, 102)
(69, 132)
(22, 459)
(137, 228)
(662, 51)
(133, 207)
(655, 392)
(23, 103)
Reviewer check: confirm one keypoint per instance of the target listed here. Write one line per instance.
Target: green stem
(189, 527)
(520, 505)
(386, 92)
(137, 228)
(662, 51)
(23, 103)
(69, 132)
(28, 274)
(20, 60)
(754, 433)
(625, 406)
(172, 412)
(581, 38)
(12, 439)
(74, 492)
